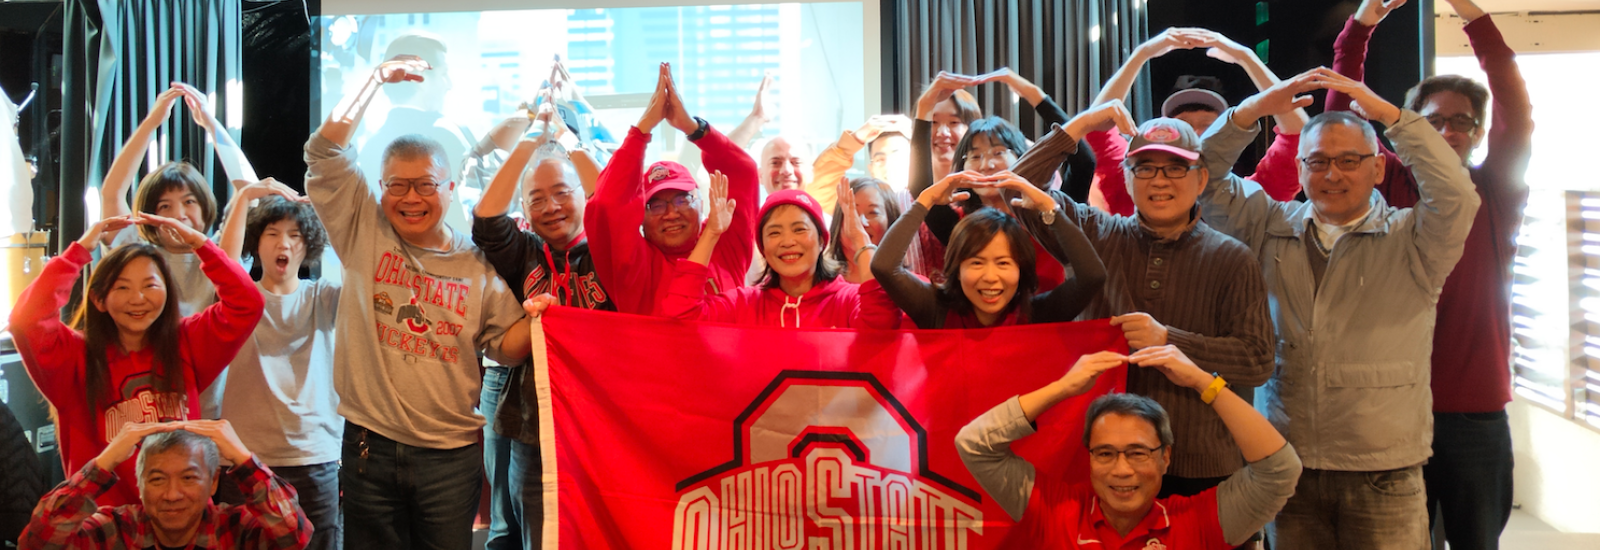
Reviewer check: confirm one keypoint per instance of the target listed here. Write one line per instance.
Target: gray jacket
(1351, 387)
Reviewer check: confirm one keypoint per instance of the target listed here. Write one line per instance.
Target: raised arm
(233, 227)
(1225, 49)
(1233, 205)
(985, 443)
(234, 163)
(1511, 132)
(916, 297)
(613, 216)
(1121, 82)
(120, 176)
(1253, 495)
(1066, 301)
(271, 517)
(731, 259)
(750, 128)
(342, 122)
(1350, 48)
(212, 337)
(51, 351)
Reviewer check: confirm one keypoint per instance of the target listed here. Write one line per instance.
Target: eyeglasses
(685, 201)
(1460, 123)
(401, 188)
(1344, 162)
(1171, 171)
(1136, 455)
(538, 204)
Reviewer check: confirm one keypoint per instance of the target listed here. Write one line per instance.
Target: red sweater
(831, 304)
(54, 356)
(633, 270)
(1472, 340)
(1278, 172)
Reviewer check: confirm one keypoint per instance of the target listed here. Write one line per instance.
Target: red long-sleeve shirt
(1278, 172)
(636, 272)
(54, 356)
(1472, 340)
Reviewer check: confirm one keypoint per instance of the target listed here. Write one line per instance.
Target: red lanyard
(562, 281)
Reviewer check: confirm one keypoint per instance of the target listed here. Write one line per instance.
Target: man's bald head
(783, 164)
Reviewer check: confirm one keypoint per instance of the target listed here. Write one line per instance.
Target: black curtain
(1068, 48)
(121, 54)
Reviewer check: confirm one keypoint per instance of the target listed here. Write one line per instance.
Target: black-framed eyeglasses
(1171, 171)
(538, 204)
(424, 188)
(1461, 123)
(1136, 454)
(1344, 162)
(681, 202)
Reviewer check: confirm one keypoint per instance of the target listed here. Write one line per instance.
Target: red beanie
(798, 198)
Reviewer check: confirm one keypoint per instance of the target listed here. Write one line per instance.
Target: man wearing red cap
(635, 268)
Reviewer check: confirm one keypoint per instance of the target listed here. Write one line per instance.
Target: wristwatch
(701, 131)
(1048, 216)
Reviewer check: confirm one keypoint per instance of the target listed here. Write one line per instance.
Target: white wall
(1558, 468)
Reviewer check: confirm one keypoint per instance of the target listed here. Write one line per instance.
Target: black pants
(1469, 478)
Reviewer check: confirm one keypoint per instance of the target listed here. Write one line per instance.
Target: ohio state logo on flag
(658, 433)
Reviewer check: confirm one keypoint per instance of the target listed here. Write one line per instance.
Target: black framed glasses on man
(400, 187)
(1171, 171)
(1345, 163)
(1461, 123)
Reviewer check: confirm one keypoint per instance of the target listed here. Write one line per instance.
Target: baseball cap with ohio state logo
(1168, 135)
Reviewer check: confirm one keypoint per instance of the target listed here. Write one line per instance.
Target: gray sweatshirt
(1246, 501)
(411, 321)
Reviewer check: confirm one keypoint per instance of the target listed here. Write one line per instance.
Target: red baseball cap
(667, 175)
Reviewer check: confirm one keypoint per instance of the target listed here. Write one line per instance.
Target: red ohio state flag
(662, 434)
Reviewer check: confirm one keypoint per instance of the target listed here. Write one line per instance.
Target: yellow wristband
(1215, 389)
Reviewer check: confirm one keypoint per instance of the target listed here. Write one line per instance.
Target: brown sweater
(1207, 289)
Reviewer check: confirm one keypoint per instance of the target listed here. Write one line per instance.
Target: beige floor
(1526, 532)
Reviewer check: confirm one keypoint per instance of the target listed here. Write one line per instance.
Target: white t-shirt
(279, 395)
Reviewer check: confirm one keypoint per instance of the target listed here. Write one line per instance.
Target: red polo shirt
(1068, 515)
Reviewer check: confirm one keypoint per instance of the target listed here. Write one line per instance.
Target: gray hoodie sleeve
(1233, 205)
(985, 447)
(1252, 496)
(339, 193)
(1442, 218)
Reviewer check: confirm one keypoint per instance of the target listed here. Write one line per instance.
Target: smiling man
(419, 303)
(1130, 445)
(1171, 279)
(180, 465)
(1354, 283)
(636, 268)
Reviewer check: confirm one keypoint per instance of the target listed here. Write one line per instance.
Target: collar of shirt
(1328, 234)
(1150, 233)
(1155, 524)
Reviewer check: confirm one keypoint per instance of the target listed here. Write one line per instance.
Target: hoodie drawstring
(783, 314)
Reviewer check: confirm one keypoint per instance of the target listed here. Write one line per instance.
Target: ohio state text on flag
(661, 434)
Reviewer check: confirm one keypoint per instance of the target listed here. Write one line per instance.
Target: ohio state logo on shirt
(140, 402)
(805, 475)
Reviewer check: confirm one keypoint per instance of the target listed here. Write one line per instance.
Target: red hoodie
(633, 270)
(54, 357)
(829, 304)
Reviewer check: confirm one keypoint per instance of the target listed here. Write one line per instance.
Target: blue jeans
(1354, 510)
(527, 473)
(1469, 478)
(504, 532)
(399, 497)
(317, 486)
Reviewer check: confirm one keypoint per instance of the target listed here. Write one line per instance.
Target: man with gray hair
(420, 303)
(1350, 389)
(179, 467)
(1130, 446)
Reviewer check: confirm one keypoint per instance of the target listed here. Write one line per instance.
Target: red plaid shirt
(69, 518)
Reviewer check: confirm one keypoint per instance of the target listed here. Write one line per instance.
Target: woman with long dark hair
(131, 356)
